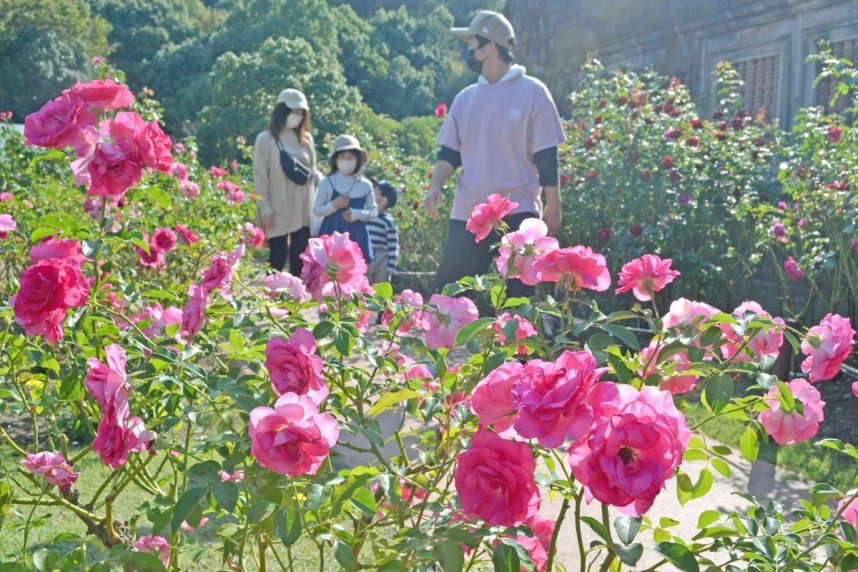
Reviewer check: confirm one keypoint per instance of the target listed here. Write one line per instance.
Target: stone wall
(685, 38)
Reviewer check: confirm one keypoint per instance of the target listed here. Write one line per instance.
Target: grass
(817, 464)
(55, 528)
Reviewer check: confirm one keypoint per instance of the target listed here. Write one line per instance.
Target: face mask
(473, 63)
(346, 166)
(294, 120)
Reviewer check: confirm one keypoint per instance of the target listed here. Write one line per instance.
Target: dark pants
(289, 246)
(464, 256)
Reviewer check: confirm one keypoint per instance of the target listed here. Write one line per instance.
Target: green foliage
(245, 88)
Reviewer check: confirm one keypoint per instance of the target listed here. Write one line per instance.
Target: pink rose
(551, 398)
(411, 301)
(7, 225)
(292, 438)
(47, 290)
(645, 276)
(6, 196)
(850, 513)
(101, 94)
(519, 250)
(669, 370)
(333, 266)
(154, 319)
(793, 270)
(163, 239)
(53, 467)
(179, 170)
(185, 527)
(795, 425)
(253, 235)
(112, 170)
(441, 110)
(58, 124)
(219, 273)
(67, 249)
(494, 480)
(189, 189)
(235, 477)
(284, 283)
(577, 266)
(636, 442)
(155, 544)
(217, 172)
(492, 400)
(153, 147)
(524, 330)
(154, 258)
(834, 134)
(443, 322)
(762, 343)
(855, 389)
(486, 216)
(194, 312)
(827, 345)
(294, 366)
(117, 436)
(107, 382)
(686, 317)
(187, 235)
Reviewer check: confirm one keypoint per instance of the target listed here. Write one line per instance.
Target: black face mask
(473, 63)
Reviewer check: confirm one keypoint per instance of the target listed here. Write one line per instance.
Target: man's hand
(433, 201)
(267, 222)
(347, 216)
(551, 213)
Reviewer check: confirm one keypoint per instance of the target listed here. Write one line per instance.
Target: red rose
(668, 162)
(834, 134)
(101, 94)
(636, 229)
(47, 290)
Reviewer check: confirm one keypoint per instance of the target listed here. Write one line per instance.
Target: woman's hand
(340, 202)
(347, 216)
(267, 222)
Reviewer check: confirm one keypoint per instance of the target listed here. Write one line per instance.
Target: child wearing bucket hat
(345, 198)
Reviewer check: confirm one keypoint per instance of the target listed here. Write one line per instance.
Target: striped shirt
(383, 235)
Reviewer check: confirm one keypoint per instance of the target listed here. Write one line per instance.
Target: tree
(45, 46)
(245, 88)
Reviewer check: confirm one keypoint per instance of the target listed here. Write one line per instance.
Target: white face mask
(346, 166)
(294, 120)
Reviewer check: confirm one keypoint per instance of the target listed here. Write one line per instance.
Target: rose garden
(167, 404)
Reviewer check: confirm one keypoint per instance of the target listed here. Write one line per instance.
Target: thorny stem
(549, 565)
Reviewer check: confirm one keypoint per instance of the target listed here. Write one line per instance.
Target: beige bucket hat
(347, 143)
(293, 99)
(491, 25)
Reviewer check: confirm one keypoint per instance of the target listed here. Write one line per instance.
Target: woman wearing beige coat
(283, 207)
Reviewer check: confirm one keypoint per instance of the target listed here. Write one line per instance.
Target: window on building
(761, 77)
(825, 89)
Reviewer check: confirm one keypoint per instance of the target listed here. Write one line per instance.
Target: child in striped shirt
(383, 235)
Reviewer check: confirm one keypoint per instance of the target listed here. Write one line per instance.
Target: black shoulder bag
(294, 170)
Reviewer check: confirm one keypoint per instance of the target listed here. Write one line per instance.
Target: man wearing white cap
(503, 131)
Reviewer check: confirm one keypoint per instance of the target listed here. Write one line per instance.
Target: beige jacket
(288, 202)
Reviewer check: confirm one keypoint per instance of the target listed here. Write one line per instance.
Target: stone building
(767, 41)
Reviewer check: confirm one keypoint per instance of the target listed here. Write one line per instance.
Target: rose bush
(253, 407)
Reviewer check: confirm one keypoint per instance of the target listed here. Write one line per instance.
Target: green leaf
(623, 373)
(344, 555)
(627, 528)
(322, 329)
(629, 555)
(849, 563)
(383, 290)
(597, 527)
(204, 473)
(142, 562)
(42, 232)
(450, 555)
(287, 524)
(226, 495)
(721, 466)
(187, 503)
(718, 392)
(823, 492)
(599, 342)
(684, 487)
(678, 555)
(159, 197)
(364, 500)
(749, 444)
(707, 517)
(468, 331)
(45, 560)
(505, 558)
(703, 484)
(389, 400)
(624, 335)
